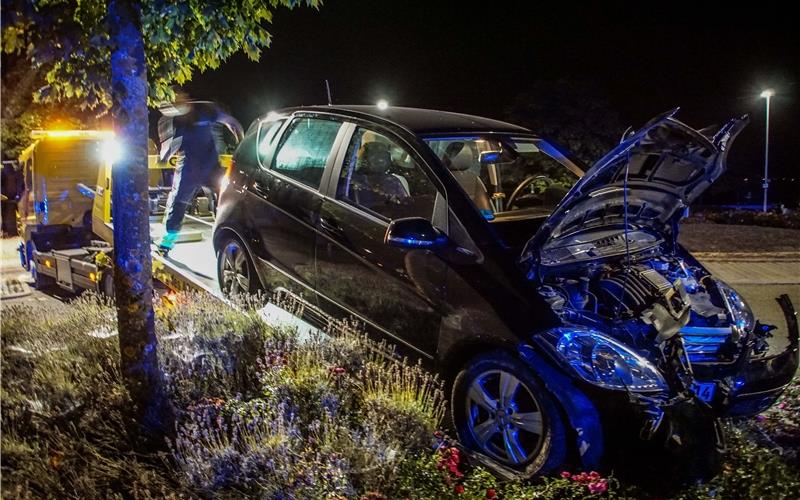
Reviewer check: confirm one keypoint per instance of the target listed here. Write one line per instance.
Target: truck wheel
(40, 281)
(235, 271)
(107, 284)
(500, 410)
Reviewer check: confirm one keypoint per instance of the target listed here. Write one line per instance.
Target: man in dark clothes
(10, 193)
(190, 130)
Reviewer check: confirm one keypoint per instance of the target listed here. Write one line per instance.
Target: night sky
(712, 61)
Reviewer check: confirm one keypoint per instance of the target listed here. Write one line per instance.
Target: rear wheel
(107, 283)
(235, 271)
(500, 410)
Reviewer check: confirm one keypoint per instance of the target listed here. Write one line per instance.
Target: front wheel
(500, 410)
(235, 271)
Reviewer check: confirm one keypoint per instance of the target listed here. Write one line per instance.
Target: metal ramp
(192, 263)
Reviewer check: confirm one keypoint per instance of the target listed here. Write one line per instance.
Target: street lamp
(766, 94)
(382, 104)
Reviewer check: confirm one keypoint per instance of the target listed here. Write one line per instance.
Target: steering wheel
(524, 184)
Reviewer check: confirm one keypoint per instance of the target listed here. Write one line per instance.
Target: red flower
(491, 493)
(565, 475)
(594, 475)
(337, 370)
(459, 489)
(599, 487)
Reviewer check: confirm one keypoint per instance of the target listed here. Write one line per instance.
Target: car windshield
(507, 174)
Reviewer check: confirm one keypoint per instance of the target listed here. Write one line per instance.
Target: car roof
(420, 121)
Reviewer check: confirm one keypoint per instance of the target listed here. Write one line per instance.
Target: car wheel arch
(560, 448)
(221, 234)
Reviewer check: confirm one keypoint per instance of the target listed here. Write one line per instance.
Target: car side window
(267, 135)
(304, 149)
(382, 178)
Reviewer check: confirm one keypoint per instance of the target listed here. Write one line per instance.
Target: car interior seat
(373, 183)
(458, 158)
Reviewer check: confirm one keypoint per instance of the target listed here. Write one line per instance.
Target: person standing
(190, 130)
(9, 194)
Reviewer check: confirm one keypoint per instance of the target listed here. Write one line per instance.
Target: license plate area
(704, 390)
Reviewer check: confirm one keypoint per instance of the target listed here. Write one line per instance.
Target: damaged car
(555, 301)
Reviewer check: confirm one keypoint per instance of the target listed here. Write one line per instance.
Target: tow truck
(66, 219)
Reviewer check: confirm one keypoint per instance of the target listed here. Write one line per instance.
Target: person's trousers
(9, 216)
(185, 183)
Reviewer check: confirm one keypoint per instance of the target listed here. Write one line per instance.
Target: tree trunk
(133, 281)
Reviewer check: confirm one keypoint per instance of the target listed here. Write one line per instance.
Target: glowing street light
(382, 104)
(766, 94)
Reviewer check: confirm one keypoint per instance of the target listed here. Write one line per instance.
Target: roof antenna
(328, 89)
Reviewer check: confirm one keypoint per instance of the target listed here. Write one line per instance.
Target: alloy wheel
(504, 417)
(235, 271)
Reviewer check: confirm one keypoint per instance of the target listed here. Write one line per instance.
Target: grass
(262, 414)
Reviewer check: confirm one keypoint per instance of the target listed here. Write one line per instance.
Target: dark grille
(704, 344)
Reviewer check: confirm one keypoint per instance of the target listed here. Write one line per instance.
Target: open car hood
(668, 165)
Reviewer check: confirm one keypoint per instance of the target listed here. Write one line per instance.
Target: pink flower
(565, 474)
(594, 475)
(599, 487)
(781, 405)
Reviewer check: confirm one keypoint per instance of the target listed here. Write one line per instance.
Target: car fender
(581, 413)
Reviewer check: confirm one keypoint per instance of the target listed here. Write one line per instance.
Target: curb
(747, 256)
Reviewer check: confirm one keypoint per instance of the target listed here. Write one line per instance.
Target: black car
(558, 306)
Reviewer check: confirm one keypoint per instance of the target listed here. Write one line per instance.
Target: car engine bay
(666, 307)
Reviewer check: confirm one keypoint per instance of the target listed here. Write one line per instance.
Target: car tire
(501, 411)
(235, 271)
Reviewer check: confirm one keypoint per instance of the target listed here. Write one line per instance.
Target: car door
(396, 291)
(285, 197)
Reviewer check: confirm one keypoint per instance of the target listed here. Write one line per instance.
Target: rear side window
(266, 139)
(304, 150)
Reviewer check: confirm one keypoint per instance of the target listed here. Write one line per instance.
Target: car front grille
(706, 344)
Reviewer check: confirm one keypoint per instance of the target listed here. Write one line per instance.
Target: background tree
(120, 55)
(572, 113)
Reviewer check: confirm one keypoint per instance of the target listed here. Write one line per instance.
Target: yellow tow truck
(66, 219)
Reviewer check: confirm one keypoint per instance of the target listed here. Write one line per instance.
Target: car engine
(647, 301)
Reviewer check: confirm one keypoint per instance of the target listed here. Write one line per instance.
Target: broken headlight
(602, 361)
(741, 314)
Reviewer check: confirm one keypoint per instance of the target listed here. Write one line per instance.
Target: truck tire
(107, 283)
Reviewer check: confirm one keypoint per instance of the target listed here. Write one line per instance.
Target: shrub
(65, 412)
(748, 218)
(209, 349)
(265, 412)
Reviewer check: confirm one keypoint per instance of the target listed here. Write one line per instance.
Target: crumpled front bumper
(762, 380)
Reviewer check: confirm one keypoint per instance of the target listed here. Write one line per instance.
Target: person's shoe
(167, 242)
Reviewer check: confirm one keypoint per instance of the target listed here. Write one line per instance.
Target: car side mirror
(414, 232)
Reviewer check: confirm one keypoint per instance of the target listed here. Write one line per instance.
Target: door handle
(330, 226)
(261, 188)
